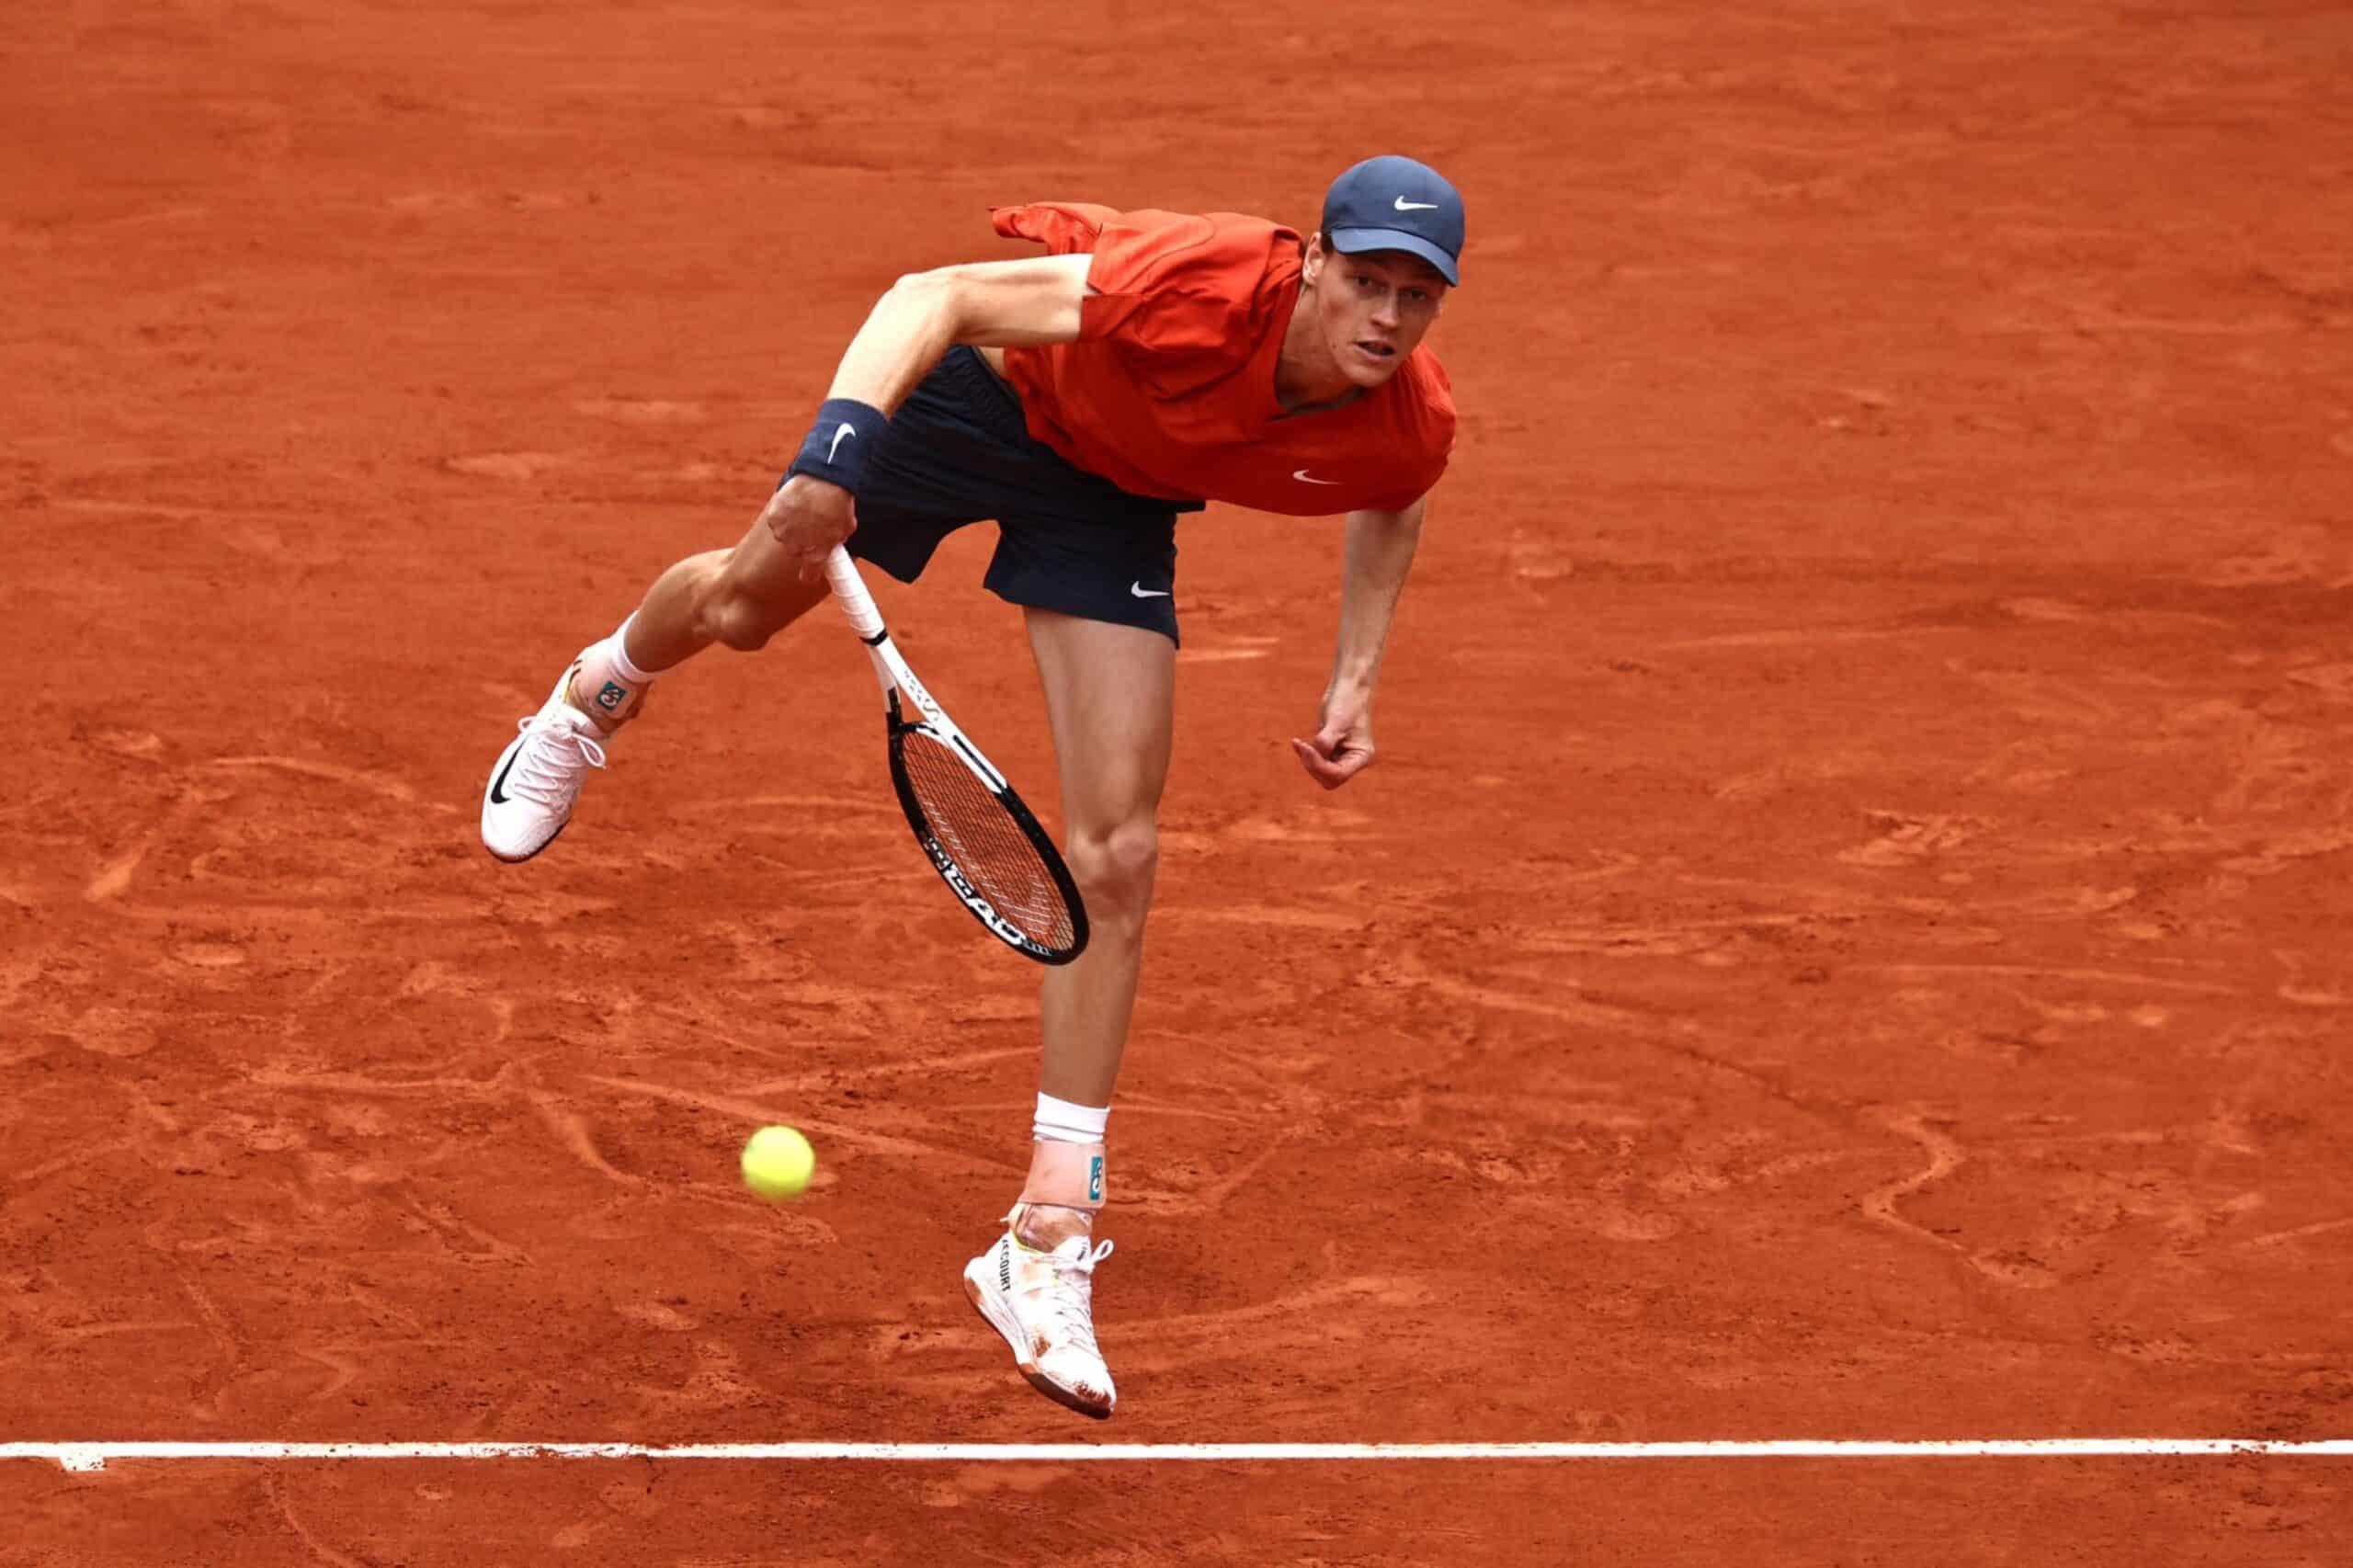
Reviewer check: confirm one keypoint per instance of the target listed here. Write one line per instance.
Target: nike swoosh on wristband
(844, 434)
(1405, 206)
(1302, 475)
(1143, 593)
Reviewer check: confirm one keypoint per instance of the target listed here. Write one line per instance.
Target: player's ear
(1312, 262)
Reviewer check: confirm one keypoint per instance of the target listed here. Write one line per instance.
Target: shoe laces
(1069, 1305)
(554, 756)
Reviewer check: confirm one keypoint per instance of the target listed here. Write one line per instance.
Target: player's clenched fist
(1343, 745)
(809, 517)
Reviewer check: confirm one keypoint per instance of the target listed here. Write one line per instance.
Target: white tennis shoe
(1043, 1304)
(537, 779)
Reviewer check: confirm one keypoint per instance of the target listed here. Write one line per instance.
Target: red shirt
(1169, 390)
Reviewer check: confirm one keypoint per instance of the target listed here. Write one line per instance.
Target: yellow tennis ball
(778, 1163)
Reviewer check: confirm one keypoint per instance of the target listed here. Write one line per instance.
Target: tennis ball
(778, 1163)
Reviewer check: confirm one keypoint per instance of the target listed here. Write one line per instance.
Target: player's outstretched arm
(1379, 554)
(1026, 302)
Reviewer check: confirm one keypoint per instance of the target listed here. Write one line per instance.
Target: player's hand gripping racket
(981, 838)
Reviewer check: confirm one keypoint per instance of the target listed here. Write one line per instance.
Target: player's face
(1373, 307)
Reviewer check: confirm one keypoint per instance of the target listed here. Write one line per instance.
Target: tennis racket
(980, 837)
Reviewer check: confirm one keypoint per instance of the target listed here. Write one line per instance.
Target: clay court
(1847, 940)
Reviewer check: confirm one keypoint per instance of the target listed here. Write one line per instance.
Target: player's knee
(731, 620)
(730, 613)
(1114, 866)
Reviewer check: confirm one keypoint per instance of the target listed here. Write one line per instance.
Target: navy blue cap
(1393, 203)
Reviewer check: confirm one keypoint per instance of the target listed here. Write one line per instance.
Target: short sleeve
(1180, 297)
(1173, 284)
(1065, 228)
(1177, 295)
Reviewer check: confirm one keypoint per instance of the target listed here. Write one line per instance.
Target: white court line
(97, 1456)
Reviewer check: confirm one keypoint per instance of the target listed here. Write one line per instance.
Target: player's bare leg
(1110, 698)
(740, 597)
(737, 597)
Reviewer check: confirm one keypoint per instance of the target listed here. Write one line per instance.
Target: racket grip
(849, 590)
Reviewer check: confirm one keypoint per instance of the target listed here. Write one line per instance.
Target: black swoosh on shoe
(499, 785)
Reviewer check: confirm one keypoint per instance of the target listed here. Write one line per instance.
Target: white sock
(1060, 1121)
(618, 650)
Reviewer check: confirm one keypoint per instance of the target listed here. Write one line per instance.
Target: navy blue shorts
(958, 451)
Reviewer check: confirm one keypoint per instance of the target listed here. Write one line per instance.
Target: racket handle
(849, 591)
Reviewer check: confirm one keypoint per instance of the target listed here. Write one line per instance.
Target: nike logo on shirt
(1305, 478)
(1143, 593)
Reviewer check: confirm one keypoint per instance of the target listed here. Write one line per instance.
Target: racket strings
(988, 847)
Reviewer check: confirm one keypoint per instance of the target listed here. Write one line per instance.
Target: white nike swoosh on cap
(1305, 478)
(1405, 206)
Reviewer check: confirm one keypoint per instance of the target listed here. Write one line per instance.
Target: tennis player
(1148, 362)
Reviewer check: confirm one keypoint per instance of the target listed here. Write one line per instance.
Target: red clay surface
(1848, 936)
